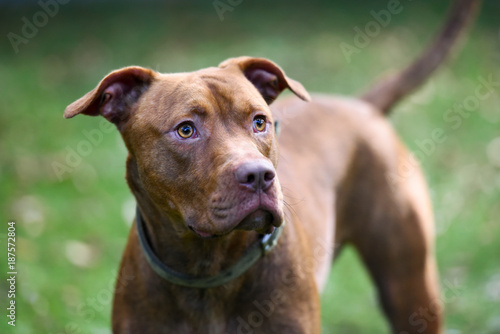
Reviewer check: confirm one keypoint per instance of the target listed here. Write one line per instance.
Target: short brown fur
(340, 173)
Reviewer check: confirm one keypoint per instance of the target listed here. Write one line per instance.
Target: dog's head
(202, 143)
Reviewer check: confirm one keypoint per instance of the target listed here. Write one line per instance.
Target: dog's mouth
(261, 220)
(203, 234)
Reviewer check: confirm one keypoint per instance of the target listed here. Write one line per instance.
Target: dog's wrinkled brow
(214, 78)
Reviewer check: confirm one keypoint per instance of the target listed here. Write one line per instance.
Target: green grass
(91, 204)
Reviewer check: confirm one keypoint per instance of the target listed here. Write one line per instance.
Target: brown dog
(210, 251)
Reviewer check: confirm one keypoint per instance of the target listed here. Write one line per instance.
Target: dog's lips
(261, 213)
(261, 219)
(258, 220)
(268, 205)
(203, 234)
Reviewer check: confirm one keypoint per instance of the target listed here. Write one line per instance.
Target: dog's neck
(178, 247)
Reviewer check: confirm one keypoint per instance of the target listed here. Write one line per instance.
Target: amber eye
(186, 130)
(259, 123)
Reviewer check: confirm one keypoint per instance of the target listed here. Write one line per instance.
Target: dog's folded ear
(114, 96)
(269, 79)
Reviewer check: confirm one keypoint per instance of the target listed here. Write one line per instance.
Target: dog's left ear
(269, 79)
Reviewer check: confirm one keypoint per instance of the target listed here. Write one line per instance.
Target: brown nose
(255, 175)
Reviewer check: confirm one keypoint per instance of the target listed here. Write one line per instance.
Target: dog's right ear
(114, 96)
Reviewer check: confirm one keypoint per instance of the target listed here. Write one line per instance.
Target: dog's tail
(389, 90)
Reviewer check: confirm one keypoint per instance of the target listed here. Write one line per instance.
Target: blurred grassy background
(72, 230)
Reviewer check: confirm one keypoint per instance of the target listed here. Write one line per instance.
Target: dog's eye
(259, 123)
(186, 130)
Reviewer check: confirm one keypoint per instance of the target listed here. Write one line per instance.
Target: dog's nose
(256, 174)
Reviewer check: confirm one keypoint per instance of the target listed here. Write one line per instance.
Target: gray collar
(257, 250)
